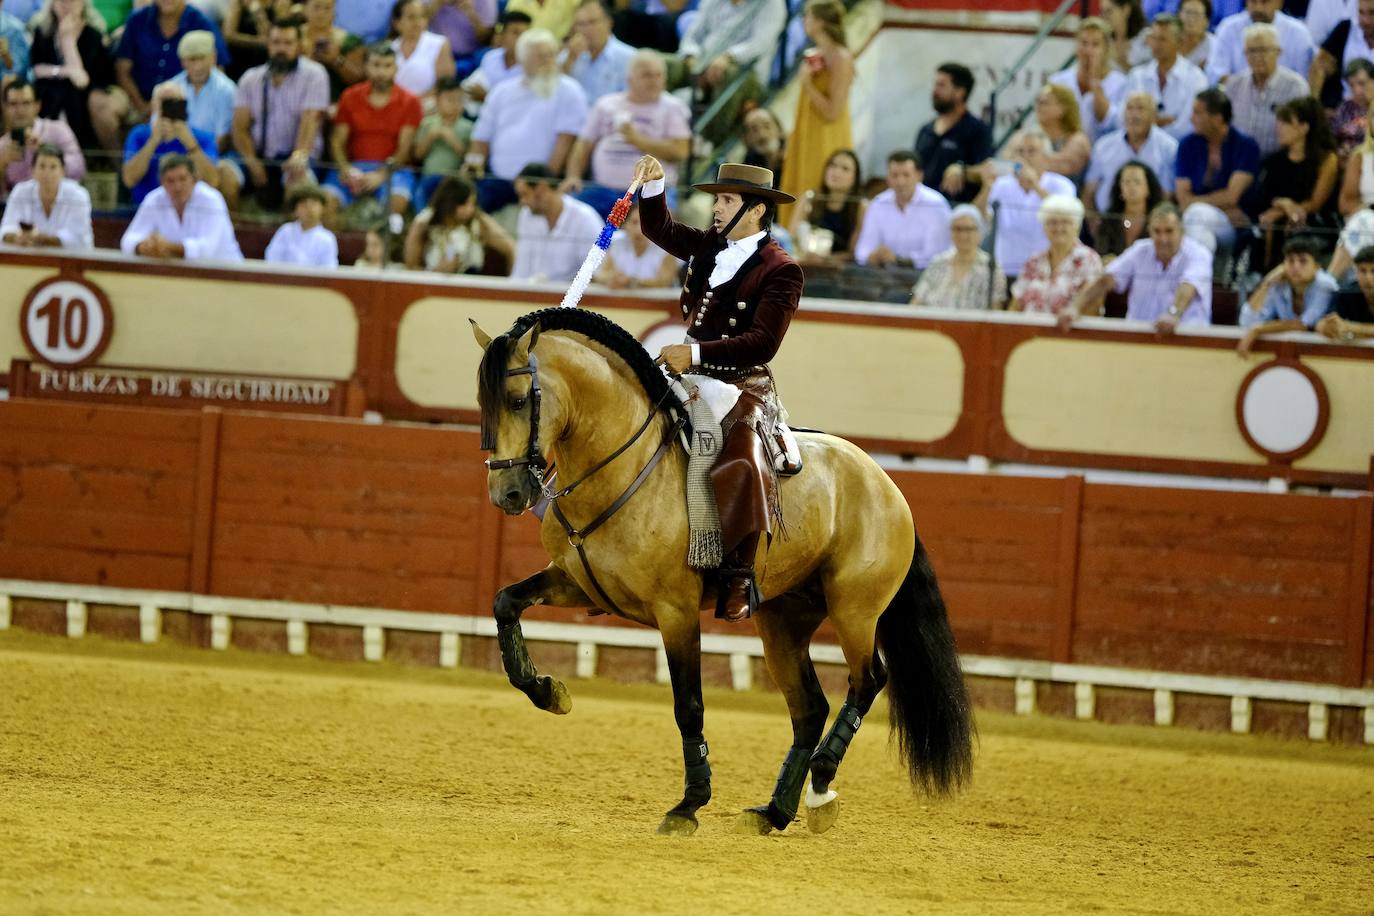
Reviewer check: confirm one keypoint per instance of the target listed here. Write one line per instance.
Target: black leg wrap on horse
(515, 658)
(698, 770)
(782, 808)
(827, 758)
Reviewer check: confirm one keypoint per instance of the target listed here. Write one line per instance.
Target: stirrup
(753, 597)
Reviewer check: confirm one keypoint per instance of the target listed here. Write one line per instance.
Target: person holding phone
(49, 210)
(168, 132)
(27, 131)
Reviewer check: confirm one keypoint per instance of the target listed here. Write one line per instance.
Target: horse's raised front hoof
(753, 822)
(677, 825)
(560, 701)
(822, 811)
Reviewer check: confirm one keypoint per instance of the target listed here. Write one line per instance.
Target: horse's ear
(525, 344)
(483, 338)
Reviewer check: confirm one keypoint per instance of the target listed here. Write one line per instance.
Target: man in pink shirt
(623, 126)
(21, 114)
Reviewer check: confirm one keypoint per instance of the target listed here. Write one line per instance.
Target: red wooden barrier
(396, 516)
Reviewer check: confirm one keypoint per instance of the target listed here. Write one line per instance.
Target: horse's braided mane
(597, 328)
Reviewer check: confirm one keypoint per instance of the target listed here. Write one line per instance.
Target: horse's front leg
(548, 586)
(682, 643)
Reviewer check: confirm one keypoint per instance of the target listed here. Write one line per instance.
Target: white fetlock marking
(814, 800)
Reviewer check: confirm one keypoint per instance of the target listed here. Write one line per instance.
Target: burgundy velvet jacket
(741, 323)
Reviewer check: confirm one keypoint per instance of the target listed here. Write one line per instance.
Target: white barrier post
(76, 619)
(1318, 721)
(741, 671)
(1164, 707)
(149, 622)
(297, 637)
(374, 643)
(220, 628)
(1084, 700)
(1240, 715)
(586, 660)
(448, 650)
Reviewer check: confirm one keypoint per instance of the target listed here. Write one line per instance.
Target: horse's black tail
(931, 719)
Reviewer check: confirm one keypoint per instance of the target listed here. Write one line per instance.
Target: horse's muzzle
(511, 493)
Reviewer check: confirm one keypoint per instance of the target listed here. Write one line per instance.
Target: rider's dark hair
(770, 210)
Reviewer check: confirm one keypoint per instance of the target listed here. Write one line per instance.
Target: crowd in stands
(1191, 144)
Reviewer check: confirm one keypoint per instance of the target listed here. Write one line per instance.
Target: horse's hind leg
(786, 625)
(548, 586)
(867, 676)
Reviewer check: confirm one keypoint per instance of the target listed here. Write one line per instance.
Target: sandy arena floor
(165, 780)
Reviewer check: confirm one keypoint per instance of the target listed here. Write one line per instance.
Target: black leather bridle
(534, 458)
(538, 467)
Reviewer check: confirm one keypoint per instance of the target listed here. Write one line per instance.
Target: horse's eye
(517, 404)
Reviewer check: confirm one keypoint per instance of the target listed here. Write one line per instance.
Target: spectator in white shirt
(534, 118)
(499, 63)
(184, 218)
(553, 231)
(49, 210)
(305, 241)
(1228, 51)
(1139, 140)
(909, 222)
(1171, 79)
(592, 55)
(1017, 198)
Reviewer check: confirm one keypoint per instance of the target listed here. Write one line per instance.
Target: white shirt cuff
(696, 354)
(652, 188)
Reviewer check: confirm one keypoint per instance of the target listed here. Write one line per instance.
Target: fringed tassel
(704, 548)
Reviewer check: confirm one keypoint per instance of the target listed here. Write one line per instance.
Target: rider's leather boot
(737, 594)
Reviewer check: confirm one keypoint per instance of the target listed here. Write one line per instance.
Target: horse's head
(518, 418)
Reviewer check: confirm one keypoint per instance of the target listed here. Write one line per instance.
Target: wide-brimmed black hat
(738, 178)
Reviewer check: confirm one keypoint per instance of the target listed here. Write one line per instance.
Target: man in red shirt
(374, 129)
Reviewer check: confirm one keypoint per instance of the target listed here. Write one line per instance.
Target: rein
(537, 465)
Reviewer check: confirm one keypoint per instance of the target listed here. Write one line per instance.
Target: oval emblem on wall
(66, 322)
(1282, 409)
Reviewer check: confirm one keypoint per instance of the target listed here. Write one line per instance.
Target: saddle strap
(577, 538)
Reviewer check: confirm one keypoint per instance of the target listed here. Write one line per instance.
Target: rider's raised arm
(680, 241)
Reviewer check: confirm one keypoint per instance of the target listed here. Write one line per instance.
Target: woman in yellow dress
(823, 107)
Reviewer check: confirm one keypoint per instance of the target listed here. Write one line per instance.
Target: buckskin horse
(574, 383)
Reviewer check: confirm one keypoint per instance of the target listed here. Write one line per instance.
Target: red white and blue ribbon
(592, 263)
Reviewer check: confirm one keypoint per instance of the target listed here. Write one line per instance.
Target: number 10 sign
(66, 322)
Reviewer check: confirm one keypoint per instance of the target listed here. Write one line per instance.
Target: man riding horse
(738, 299)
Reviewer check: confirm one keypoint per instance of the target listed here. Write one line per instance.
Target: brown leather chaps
(743, 475)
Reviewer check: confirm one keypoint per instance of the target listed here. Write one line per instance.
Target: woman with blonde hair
(74, 73)
(965, 276)
(1050, 279)
(822, 124)
(1056, 110)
